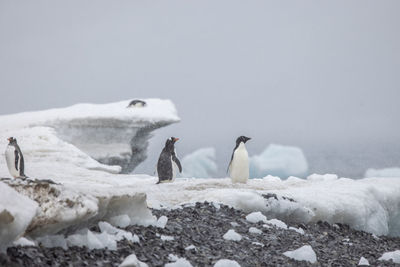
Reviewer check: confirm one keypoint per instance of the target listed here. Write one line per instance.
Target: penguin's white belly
(239, 169)
(10, 159)
(175, 169)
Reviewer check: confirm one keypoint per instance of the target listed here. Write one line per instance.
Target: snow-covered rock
(363, 261)
(226, 263)
(388, 172)
(278, 160)
(393, 255)
(132, 261)
(16, 213)
(305, 253)
(232, 235)
(200, 163)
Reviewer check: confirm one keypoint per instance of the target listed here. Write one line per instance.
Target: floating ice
(363, 261)
(132, 261)
(388, 172)
(232, 235)
(226, 263)
(200, 164)
(394, 255)
(278, 160)
(305, 253)
(256, 217)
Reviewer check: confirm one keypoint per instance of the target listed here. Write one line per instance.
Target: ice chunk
(278, 160)
(51, 241)
(120, 220)
(363, 261)
(226, 263)
(190, 247)
(181, 262)
(167, 238)
(394, 255)
(277, 223)
(16, 213)
(232, 235)
(23, 242)
(305, 253)
(298, 230)
(256, 217)
(255, 230)
(388, 172)
(132, 261)
(200, 164)
(117, 234)
(162, 222)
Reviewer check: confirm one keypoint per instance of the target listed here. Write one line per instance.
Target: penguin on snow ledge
(239, 164)
(168, 162)
(15, 159)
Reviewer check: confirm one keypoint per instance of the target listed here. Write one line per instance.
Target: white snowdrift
(388, 172)
(200, 163)
(278, 160)
(16, 213)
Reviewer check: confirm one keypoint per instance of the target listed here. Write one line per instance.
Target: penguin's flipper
(16, 159)
(178, 163)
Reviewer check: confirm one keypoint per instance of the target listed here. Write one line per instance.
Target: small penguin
(168, 162)
(136, 104)
(239, 165)
(15, 159)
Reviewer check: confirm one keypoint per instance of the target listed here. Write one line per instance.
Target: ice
(278, 160)
(388, 172)
(132, 261)
(232, 235)
(166, 238)
(394, 255)
(226, 263)
(190, 247)
(255, 230)
(363, 261)
(277, 223)
(16, 213)
(298, 230)
(256, 217)
(162, 222)
(180, 262)
(305, 253)
(258, 244)
(120, 220)
(51, 241)
(200, 163)
(22, 241)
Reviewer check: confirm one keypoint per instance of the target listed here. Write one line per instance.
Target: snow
(388, 172)
(22, 241)
(298, 230)
(363, 261)
(200, 163)
(279, 160)
(277, 223)
(16, 213)
(226, 263)
(166, 238)
(132, 261)
(305, 253)
(256, 217)
(232, 235)
(180, 262)
(255, 230)
(394, 256)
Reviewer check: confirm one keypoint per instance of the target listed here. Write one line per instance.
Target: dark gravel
(203, 226)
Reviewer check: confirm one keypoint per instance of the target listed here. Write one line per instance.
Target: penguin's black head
(12, 140)
(243, 139)
(170, 143)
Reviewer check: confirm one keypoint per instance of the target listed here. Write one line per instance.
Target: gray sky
(307, 73)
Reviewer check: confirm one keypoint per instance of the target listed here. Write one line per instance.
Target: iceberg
(200, 163)
(278, 160)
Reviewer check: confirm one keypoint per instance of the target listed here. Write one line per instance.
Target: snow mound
(388, 172)
(232, 235)
(305, 253)
(394, 256)
(278, 160)
(226, 263)
(16, 213)
(132, 261)
(363, 261)
(200, 164)
(109, 133)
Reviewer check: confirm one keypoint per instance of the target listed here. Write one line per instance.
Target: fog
(322, 76)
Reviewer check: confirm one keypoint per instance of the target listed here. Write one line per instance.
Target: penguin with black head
(239, 164)
(168, 162)
(15, 159)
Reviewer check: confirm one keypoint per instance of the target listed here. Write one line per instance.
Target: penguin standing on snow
(239, 165)
(168, 162)
(15, 159)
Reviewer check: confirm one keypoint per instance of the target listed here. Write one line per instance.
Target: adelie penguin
(168, 162)
(15, 159)
(239, 165)
(136, 104)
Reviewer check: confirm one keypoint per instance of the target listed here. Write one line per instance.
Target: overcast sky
(291, 72)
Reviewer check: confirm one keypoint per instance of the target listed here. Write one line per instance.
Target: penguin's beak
(176, 139)
(248, 138)
(9, 139)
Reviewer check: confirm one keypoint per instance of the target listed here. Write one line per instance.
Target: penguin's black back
(164, 166)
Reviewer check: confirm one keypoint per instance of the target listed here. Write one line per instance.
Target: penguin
(15, 159)
(137, 104)
(239, 164)
(168, 162)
